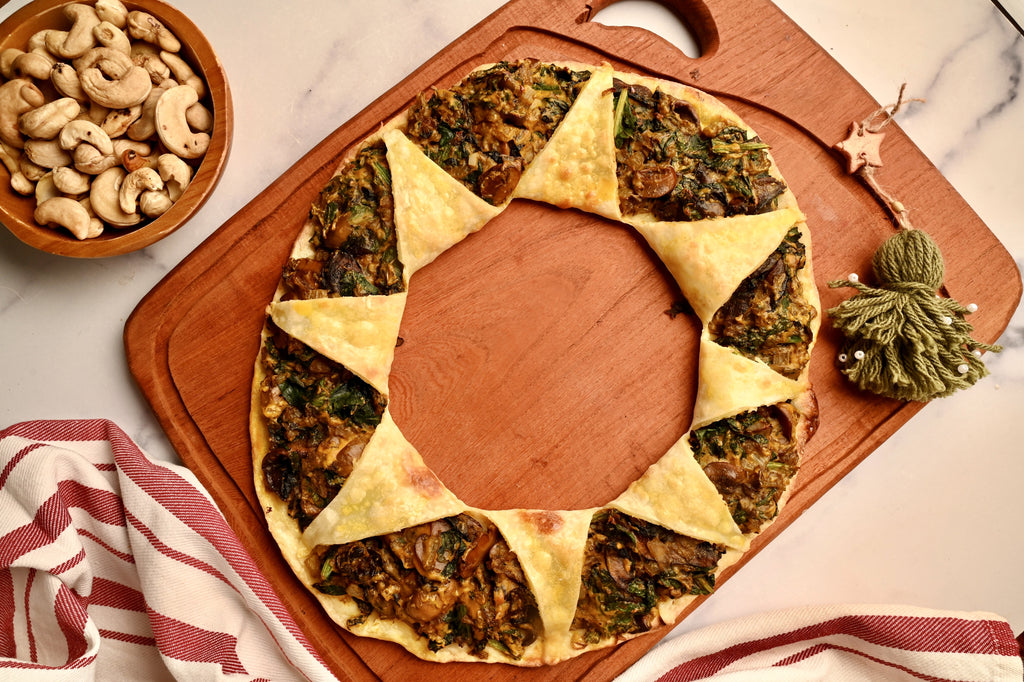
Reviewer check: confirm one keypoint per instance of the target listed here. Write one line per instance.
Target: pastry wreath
(386, 548)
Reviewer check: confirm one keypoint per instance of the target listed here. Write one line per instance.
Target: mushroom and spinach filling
(485, 130)
(767, 318)
(356, 252)
(454, 581)
(750, 458)
(676, 167)
(629, 565)
(319, 416)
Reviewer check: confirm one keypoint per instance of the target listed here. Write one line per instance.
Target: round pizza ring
(392, 515)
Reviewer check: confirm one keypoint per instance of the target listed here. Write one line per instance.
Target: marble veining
(894, 530)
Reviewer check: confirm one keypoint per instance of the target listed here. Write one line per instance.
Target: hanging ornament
(904, 340)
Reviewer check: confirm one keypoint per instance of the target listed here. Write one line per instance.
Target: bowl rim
(205, 61)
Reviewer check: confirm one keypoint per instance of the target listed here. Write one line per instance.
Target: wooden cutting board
(538, 367)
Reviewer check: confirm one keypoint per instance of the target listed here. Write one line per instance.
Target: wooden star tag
(861, 147)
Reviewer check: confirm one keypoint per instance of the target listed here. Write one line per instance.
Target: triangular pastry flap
(390, 488)
(433, 211)
(360, 332)
(731, 383)
(675, 493)
(550, 546)
(576, 169)
(709, 258)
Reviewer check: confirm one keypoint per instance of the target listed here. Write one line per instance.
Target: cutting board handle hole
(655, 17)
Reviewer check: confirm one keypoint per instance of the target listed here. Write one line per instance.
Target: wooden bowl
(16, 210)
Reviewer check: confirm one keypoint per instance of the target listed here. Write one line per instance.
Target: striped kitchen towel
(117, 567)
(840, 642)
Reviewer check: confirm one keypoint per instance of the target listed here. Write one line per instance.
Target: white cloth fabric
(116, 567)
(840, 642)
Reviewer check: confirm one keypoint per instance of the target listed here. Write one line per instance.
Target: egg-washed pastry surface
(373, 533)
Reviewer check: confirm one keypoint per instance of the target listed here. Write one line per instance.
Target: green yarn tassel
(903, 340)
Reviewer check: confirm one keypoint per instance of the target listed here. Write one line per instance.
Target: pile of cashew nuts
(101, 122)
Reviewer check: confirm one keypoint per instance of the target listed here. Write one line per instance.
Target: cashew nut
(74, 42)
(7, 58)
(175, 173)
(46, 188)
(145, 127)
(70, 180)
(117, 121)
(113, 11)
(90, 160)
(134, 184)
(172, 127)
(68, 214)
(145, 26)
(110, 78)
(105, 198)
(16, 97)
(111, 36)
(45, 122)
(96, 113)
(11, 158)
(46, 153)
(199, 118)
(154, 203)
(31, 170)
(37, 42)
(86, 156)
(78, 132)
(183, 73)
(148, 57)
(32, 65)
(134, 155)
(65, 80)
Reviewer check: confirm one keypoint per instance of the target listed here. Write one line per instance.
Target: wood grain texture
(538, 367)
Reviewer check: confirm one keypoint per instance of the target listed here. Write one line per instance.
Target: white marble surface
(932, 518)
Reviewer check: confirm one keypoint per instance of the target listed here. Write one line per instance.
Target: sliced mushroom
(66, 213)
(134, 184)
(651, 183)
(145, 26)
(46, 122)
(172, 127)
(105, 198)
